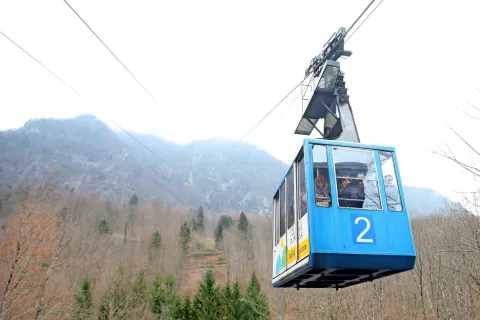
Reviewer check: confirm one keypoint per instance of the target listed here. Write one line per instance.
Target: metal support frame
(330, 111)
(343, 127)
(315, 127)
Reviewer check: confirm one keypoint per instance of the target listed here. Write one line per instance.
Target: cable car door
(291, 218)
(302, 211)
(280, 250)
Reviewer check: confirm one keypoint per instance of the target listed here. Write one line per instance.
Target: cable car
(339, 213)
(340, 217)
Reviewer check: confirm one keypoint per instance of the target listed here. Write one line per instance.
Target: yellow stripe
(292, 254)
(303, 249)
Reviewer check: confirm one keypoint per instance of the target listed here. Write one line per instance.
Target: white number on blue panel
(362, 229)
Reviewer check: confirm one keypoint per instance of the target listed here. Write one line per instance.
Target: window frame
(299, 162)
(313, 175)
(358, 149)
(394, 164)
(276, 219)
(290, 195)
(282, 205)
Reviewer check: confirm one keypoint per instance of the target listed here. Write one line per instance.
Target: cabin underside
(334, 278)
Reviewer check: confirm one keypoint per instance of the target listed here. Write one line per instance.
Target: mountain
(87, 156)
(423, 201)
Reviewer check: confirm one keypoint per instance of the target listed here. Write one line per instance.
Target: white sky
(219, 66)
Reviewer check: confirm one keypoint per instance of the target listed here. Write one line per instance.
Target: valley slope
(87, 156)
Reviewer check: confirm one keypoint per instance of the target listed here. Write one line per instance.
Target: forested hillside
(74, 256)
(69, 251)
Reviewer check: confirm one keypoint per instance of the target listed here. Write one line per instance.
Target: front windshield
(356, 178)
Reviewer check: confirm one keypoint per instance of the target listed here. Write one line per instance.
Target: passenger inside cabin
(322, 191)
(351, 193)
(303, 197)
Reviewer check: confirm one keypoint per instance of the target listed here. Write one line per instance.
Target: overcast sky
(218, 66)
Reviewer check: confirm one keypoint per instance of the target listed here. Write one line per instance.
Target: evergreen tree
(133, 200)
(103, 226)
(194, 225)
(218, 234)
(83, 301)
(164, 300)
(157, 296)
(124, 298)
(243, 224)
(185, 311)
(156, 241)
(155, 246)
(125, 233)
(256, 302)
(185, 237)
(103, 309)
(207, 304)
(173, 302)
(234, 306)
(200, 219)
(112, 303)
(226, 222)
(244, 227)
(237, 310)
(227, 299)
(177, 309)
(139, 289)
(131, 212)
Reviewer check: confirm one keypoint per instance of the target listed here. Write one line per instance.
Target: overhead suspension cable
(361, 14)
(123, 65)
(276, 122)
(269, 112)
(363, 20)
(83, 98)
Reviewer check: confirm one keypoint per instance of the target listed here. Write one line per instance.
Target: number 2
(360, 236)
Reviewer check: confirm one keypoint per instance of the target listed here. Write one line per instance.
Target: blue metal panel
(321, 222)
(348, 144)
(399, 181)
(313, 228)
(333, 229)
(362, 261)
(403, 219)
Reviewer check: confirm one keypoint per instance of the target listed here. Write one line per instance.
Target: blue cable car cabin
(340, 217)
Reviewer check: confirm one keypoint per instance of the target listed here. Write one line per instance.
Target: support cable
(273, 126)
(83, 98)
(123, 65)
(364, 20)
(361, 14)
(269, 112)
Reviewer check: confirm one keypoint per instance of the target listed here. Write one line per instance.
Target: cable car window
(392, 192)
(321, 177)
(302, 188)
(290, 199)
(282, 210)
(276, 217)
(356, 178)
